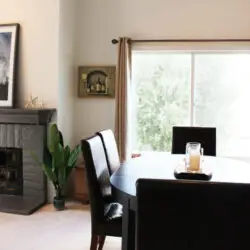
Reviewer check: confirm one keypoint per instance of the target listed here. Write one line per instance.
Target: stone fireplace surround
(26, 129)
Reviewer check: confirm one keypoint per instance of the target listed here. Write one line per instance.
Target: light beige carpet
(48, 229)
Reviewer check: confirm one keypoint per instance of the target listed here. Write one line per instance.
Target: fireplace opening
(11, 171)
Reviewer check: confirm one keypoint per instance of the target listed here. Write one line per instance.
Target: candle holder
(192, 168)
(194, 156)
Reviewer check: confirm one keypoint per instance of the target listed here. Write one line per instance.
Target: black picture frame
(9, 41)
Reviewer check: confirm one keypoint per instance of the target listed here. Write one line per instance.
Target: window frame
(235, 47)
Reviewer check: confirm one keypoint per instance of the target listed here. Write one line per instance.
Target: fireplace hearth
(23, 185)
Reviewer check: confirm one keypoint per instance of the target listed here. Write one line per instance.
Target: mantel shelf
(26, 116)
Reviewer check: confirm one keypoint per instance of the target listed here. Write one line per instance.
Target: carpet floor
(48, 229)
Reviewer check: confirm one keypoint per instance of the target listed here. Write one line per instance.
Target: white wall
(66, 75)
(38, 47)
(100, 21)
(66, 71)
(97, 23)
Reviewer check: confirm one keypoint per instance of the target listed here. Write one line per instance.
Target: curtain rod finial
(114, 41)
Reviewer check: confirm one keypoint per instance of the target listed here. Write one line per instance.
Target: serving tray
(181, 172)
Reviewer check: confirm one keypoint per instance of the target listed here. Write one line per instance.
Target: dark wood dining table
(162, 166)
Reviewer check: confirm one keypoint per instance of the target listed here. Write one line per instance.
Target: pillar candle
(194, 162)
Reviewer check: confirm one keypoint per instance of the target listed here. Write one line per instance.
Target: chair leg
(101, 241)
(94, 242)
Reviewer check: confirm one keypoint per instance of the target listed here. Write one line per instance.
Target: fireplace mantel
(26, 116)
(26, 129)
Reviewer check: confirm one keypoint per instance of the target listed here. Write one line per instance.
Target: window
(188, 87)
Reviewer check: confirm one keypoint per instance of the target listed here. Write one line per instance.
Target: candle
(194, 162)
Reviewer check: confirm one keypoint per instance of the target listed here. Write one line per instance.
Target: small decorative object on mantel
(96, 81)
(9, 36)
(34, 103)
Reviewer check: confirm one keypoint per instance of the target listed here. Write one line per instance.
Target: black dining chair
(204, 135)
(192, 215)
(106, 215)
(111, 151)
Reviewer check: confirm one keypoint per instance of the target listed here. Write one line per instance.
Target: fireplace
(11, 171)
(23, 185)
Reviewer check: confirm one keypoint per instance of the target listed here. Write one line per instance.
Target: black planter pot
(59, 203)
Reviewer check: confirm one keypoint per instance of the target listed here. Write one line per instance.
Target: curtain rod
(115, 41)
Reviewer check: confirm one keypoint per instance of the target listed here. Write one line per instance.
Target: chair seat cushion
(112, 211)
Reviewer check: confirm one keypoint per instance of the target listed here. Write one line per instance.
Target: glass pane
(161, 84)
(222, 87)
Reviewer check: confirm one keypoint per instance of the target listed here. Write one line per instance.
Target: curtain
(121, 95)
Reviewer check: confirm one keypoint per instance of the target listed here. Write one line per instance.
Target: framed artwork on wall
(9, 35)
(94, 81)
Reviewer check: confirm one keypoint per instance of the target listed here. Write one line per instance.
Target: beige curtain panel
(121, 89)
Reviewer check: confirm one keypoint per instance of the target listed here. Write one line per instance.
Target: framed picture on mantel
(96, 81)
(9, 35)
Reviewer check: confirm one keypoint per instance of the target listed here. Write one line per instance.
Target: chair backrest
(111, 151)
(98, 177)
(192, 215)
(205, 135)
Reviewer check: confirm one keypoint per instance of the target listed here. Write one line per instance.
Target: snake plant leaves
(58, 161)
(53, 138)
(47, 159)
(61, 138)
(35, 157)
(49, 173)
(66, 154)
(47, 169)
(59, 156)
(73, 156)
(68, 172)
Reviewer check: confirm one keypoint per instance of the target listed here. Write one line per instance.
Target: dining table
(162, 166)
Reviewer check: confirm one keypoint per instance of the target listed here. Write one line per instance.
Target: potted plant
(58, 164)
